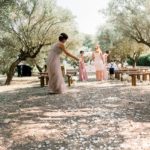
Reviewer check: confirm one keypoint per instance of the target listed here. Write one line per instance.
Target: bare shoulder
(61, 45)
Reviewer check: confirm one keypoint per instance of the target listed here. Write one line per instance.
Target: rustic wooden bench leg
(133, 80)
(47, 80)
(144, 77)
(42, 81)
(138, 77)
(115, 75)
(119, 76)
(69, 80)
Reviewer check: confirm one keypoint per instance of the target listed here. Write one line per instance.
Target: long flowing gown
(56, 82)
(82, 70)
(98, 62)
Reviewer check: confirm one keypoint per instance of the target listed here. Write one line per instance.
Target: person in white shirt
(112, 68)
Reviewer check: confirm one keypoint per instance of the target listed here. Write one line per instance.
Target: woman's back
(56, 48)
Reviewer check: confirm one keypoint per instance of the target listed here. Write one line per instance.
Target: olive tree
(29, 26)
(127, 29)
(132, 18)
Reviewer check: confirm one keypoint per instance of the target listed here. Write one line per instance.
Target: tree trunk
(134, 64)
(39, 68)
(23, 56)
(122, 64)
(11, 71)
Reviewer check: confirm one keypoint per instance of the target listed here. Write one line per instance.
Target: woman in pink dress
(99, 63)
(82, 69)
(56, 82)
(105, 57)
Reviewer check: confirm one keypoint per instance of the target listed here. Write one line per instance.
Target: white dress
(98, 62)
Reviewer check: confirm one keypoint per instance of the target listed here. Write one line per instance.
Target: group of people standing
(100, 62)
(56, 81)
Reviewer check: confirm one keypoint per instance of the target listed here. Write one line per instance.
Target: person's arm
(67, 53)
(93, 57)
(101, 55)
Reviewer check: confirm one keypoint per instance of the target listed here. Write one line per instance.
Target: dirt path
(90, 116)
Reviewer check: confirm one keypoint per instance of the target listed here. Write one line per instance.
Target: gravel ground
(108, 115)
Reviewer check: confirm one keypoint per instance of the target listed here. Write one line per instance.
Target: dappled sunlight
(38, 131)
(61, 125)
(101, 114)
(135, 134)
(20, 83)
(95, 54)
(73, 91)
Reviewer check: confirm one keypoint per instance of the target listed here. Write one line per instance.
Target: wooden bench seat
(134, 76)
(44, 77)
(120, 72)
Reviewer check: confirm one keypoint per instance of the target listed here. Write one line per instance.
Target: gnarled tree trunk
(11, 71)
(39, 68)
(134, 63)
(23, 56)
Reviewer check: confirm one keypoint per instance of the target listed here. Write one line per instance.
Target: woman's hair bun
(63, 36)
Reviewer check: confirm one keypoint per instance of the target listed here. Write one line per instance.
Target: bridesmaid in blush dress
(105, 58)
(56, 82)
(82, 69)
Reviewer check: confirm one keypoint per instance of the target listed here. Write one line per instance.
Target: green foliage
(131, 18)
(144, 60)
(104, 38)
(72, 62)
(29, 26)
(126, 32)
(88, 41)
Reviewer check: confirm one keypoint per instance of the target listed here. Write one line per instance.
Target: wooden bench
(69, 79)
(134, 76)
(134, 73)
(145, 76)
(120, 72)
(44, 77)
(72, 72)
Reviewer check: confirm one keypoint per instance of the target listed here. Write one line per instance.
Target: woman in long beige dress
(56, 81)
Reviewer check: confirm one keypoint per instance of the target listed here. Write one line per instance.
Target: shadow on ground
(91, 115)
